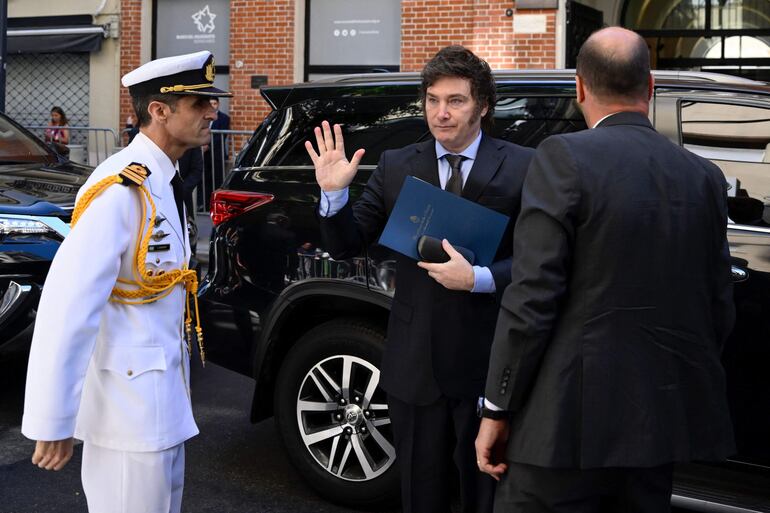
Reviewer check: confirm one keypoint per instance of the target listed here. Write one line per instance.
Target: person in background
(58, 133)
(190, 166)
(131, 128)
(215, 155)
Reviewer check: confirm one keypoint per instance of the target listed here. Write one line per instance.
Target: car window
(529, 120)
(17, 146)
(735, 137)
(374, 123)
(388, 122)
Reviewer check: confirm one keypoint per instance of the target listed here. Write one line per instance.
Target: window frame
(717, 97)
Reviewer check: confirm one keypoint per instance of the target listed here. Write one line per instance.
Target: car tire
(332, 417)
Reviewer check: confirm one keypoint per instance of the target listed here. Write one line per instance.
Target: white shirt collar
(165, 167)
(605, 117)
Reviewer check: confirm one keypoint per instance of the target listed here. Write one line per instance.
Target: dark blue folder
(423, 209)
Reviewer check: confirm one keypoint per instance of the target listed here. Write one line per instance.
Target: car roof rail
(531, 74)
(704, 76)
(278, 95)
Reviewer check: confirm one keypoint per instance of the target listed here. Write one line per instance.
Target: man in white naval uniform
(112, 374)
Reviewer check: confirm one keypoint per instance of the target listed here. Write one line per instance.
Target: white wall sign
(529, 23)
(357, 32)
(185, 26)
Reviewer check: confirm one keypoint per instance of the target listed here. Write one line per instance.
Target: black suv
(310, 329)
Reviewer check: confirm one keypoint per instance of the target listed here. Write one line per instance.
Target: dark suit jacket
(191, 171)
(609, 338)
(220, 140)
(438, 340)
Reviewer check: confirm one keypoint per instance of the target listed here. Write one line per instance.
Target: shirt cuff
(332, 202)
(47, 429)
(482, 279)
(491, 406)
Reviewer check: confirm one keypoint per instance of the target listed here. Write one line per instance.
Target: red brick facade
(130, 48)
(262, 41)
(262, 38)
(482, 26)
(535, 51)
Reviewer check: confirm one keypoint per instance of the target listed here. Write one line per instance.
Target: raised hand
(333, 171)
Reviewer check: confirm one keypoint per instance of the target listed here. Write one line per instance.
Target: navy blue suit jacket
(438, 339)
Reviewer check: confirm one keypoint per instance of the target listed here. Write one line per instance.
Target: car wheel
(333, 416)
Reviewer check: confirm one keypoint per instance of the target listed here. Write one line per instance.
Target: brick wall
(262, 43)
(535, 51)
(262, 38)
(481, 25)
(130, 48)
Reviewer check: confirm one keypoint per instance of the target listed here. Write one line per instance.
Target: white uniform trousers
(133, 482)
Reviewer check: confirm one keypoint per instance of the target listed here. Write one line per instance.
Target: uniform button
(502, 391)
(130, 372)
(157, 260)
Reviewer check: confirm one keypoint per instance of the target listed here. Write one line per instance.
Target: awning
(44, 35)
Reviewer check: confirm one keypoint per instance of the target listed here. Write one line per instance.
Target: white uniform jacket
(112, 374)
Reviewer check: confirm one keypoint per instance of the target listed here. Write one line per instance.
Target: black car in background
(310, 330)
(37, 195)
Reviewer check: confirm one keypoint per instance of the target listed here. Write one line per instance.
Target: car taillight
(228, 204)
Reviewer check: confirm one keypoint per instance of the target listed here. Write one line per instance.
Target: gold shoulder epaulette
(134, 174)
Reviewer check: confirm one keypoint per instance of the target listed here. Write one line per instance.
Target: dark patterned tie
(176, 185)
(455, 182)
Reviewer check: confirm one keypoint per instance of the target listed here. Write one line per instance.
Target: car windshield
(19, 146)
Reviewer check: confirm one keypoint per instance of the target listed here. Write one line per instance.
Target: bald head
(614, 64)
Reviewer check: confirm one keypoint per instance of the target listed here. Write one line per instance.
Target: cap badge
(210, 73)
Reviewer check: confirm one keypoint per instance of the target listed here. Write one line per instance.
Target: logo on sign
(204, 20)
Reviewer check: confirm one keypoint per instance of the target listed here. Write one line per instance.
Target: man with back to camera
(442, 316)
(109, 364)
(606, 356)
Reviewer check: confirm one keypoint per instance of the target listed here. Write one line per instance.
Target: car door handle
(738, 274)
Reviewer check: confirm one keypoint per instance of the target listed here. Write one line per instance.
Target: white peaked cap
(192, 73)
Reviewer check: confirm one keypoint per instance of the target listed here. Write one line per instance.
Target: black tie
(176, 185)
(455, 182)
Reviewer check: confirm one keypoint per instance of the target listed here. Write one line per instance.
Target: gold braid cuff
(147, 287)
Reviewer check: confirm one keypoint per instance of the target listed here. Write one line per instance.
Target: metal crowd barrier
(91, 145)
(217, 163)
(218, 160)
(88, 145)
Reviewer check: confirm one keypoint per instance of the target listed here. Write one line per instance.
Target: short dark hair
(141, 103)
(458, 61)
(612, 74)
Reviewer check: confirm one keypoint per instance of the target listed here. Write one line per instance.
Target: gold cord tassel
(149, 287)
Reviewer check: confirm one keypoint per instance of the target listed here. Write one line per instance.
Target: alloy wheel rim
(343, 418)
